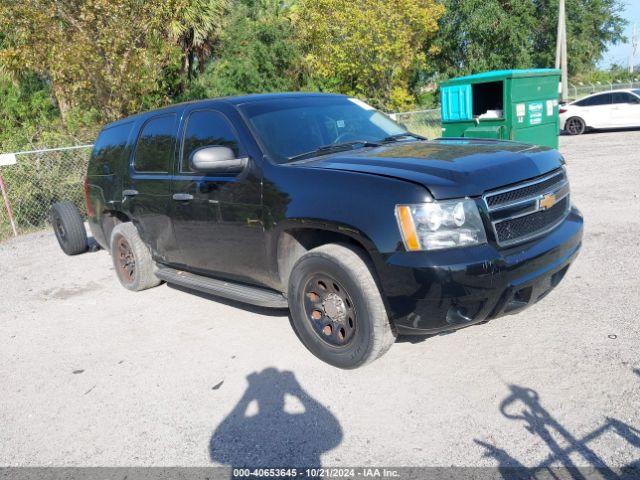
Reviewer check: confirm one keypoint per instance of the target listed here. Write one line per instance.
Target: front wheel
(575, 126)
(336, 307)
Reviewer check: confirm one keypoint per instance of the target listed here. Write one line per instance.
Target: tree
(196, 28)
(367, 48)
(104, 54)
(591, 26)
(480, 35)
(257, 52)
(117, 56)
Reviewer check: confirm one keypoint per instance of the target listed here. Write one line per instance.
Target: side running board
(239, 292)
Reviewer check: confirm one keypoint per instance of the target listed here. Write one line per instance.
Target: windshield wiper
(334, 148)
(398, 136)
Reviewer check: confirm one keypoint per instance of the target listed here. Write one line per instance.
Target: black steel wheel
(575, 126)
(330, 309)
(336, 306)
(125, 260)
(132, 259)
(68, 225)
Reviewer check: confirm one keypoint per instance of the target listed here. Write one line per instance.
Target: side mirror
(217, 159)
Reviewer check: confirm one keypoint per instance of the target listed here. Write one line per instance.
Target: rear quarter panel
(107, 166)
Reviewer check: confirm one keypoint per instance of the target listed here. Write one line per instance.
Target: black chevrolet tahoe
(321, 204)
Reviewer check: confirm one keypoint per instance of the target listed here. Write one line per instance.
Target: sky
(620, 53)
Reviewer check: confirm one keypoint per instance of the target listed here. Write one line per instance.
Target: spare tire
(68, 226)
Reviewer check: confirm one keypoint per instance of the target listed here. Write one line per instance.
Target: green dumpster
(517, 105)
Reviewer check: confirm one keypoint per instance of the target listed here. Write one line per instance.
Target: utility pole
(561, 51)
(634, 48)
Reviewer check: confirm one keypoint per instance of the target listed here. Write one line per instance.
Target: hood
(448, 168)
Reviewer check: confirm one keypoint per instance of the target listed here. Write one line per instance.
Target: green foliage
(480, 35)
(616, 74)
(69, 65)
(367, 48)
(591, 26)
(196, 29)
(29, 117)
(116, 56)
(24, 106)
(257, 53)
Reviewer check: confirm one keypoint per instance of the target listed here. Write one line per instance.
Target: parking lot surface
(94, 375)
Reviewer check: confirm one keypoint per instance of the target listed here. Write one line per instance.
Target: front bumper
(433, 292)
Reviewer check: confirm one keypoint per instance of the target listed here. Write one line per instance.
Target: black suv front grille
(526, 191)
(529, 209)
(509, 230)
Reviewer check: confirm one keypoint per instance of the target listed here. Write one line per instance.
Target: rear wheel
(132, 259)
(336, 307)
(575, 126)
(68, 226)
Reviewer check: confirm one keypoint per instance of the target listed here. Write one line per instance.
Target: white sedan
(615, 109)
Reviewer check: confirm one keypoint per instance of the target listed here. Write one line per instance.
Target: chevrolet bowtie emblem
(547, 201)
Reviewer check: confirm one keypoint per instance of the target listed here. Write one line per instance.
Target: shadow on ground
(275, 424)
(523, 404)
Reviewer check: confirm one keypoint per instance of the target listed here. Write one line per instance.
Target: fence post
(8, 206)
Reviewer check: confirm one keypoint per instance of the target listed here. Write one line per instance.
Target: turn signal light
(407, 227)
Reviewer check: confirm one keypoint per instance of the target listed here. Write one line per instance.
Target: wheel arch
(580, 118)
(109, 220)
(298, 237)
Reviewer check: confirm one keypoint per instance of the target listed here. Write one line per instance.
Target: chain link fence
(37, 180)
(578, 91)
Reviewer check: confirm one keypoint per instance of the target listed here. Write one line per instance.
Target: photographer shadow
(275, 424)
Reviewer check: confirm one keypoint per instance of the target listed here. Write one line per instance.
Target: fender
(337, 202)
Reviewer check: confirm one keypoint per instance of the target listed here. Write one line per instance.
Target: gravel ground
(93, 375)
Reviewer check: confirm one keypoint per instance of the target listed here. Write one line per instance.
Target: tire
(132, 259)
(68, 225)
(336, 307)
(575, 126)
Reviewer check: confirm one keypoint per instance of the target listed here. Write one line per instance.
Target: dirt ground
(94, 375)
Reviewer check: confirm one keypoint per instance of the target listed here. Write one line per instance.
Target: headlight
(438, 225)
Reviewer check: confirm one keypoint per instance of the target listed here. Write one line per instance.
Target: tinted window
(623, 97)
(156, 144)
(206, 128)
(290, 127)
(596, 100)
(110, 149)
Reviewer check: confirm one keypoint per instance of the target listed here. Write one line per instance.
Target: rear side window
(110, 149)
(206, 128)
(604, 99)
(624, 97)
(156, 145)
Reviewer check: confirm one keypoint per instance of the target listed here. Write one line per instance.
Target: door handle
(129, 193)
(182, 197)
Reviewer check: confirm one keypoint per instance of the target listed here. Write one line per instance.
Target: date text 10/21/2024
(315, 473)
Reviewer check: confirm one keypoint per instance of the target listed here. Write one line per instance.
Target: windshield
(288, 128)
(637, 92)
